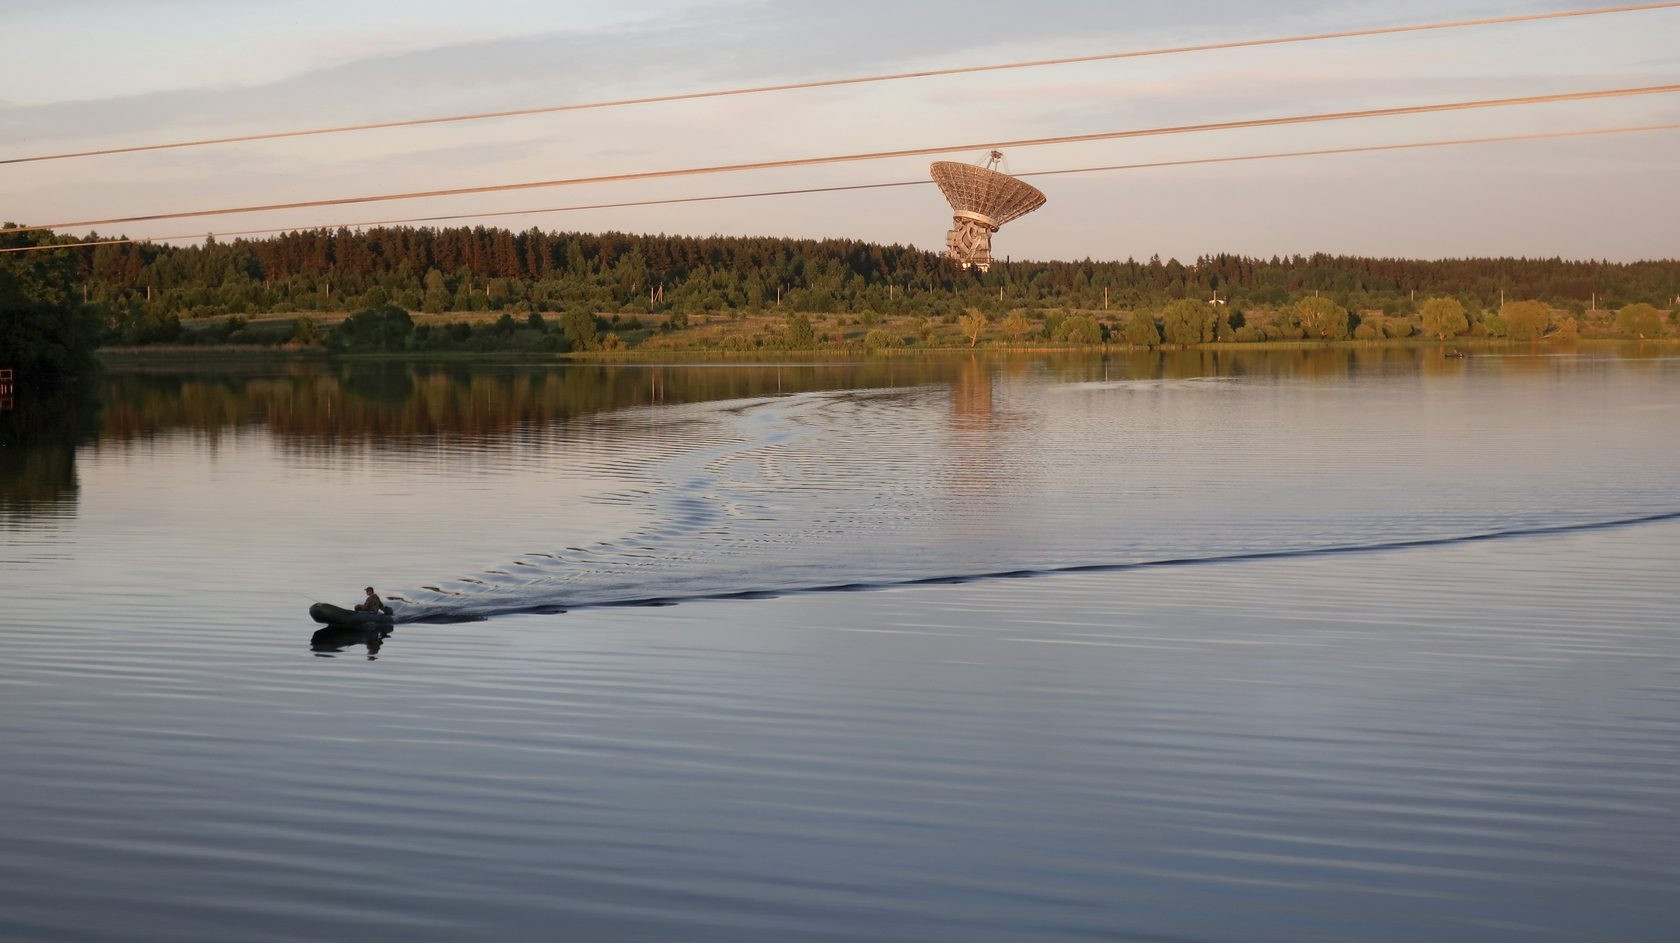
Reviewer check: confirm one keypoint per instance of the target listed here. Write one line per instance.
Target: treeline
(482, 269)
(47, 332)
(570, 291)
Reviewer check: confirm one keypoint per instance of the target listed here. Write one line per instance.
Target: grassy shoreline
(196, 354)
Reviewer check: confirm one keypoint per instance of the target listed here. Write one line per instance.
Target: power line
(878, 155)
(667, 201)
(860, 80)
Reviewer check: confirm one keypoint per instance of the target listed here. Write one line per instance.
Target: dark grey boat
(329, 614)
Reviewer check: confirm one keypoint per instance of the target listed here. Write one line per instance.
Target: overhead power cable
(861, 80)
(668, 201)
(879, 155)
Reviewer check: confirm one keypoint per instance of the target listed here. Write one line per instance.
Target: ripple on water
(1458, 740)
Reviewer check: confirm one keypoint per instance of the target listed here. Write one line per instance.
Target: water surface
(1311, 645)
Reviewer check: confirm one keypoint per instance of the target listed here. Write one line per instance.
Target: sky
(87, 74)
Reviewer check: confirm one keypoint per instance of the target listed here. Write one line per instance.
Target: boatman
(372, 603)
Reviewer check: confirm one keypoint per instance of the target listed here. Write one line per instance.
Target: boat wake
(854, 491)
(419, 612)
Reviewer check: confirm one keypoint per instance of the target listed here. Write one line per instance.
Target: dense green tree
(1141, 330)
(1322, 318)
(1079, 329)
(800, 334)
(385, 328)
(1016, 327)
(1640, 320)
(47, 335)
(1525, 320)
(147, 325)
(580, 329)
(880, 338)
(1444, 318)
(306, 331)
(1187, 321)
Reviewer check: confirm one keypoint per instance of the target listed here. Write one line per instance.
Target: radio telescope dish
(982, 200)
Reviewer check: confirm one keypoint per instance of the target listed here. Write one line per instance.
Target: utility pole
(1105, 297)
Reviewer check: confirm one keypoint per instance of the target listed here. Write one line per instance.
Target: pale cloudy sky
(83, 74)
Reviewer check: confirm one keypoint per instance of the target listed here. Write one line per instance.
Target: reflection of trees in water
(396, 404)
(1198, 362)
(38, 440)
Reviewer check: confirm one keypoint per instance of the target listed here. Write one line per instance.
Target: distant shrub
(1186, 321)
(1525, 320)
(1640, 320)
(306, 331)
(1141, 330)
(384, 328)
(879, 338)
(800, 334)
(1321, 317)
(1079, 329)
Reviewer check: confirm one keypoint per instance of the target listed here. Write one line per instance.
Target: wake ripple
(866, 490)
(415, 613)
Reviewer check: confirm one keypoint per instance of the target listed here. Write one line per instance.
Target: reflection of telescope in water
(334, 639)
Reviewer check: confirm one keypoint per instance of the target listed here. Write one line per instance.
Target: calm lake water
(1267, 646)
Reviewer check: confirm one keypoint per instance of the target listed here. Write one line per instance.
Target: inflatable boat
(329, 614)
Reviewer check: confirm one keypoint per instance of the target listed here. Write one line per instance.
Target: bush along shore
(386, 328)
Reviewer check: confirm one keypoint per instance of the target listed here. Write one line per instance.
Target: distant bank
(492, 291)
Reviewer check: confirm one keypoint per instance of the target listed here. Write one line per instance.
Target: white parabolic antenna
(982, 200)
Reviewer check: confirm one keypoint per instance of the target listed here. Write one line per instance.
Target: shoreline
(252, 352)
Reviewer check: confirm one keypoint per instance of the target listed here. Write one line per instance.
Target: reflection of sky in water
(1461, 741)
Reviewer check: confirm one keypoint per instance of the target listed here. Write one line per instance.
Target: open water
(1355, 644)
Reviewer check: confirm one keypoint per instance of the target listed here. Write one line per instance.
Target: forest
(637, 288)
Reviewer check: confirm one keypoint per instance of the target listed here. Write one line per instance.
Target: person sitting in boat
(372, 603)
